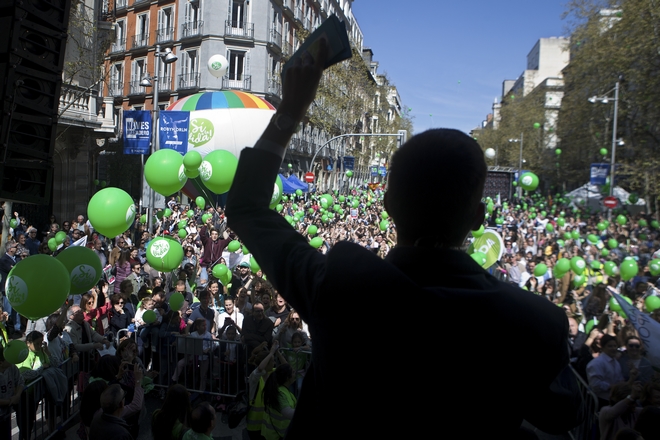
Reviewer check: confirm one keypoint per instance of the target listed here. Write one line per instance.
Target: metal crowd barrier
(37, 415)
(215, 367)
(588, 429)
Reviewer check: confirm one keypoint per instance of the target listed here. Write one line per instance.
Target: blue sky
(449, 58)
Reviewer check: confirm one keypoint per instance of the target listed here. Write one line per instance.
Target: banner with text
(137, 131)
(173, 130)
(599, 173)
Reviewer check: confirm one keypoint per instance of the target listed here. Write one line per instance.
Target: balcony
(165, 84)
(136, 88)
(140, 41)
(121, 4)
(138, 3)
(188, 81)
(78, 104)
(118, 46)
(243, 82)
(192, 29)
(274, 86)
(165, 35)
(299, 15)
(116, 88)
(239, 30)
(287, 49)
(275, 39)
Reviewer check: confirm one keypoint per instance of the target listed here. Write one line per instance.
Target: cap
(244, 264)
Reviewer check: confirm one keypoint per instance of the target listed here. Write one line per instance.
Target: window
(142, 31)
(138, 72)
(238, 13)
(116, 79)
(192, 25)
(119, 45)
(237, 64)
(164, 75)
(189, 77)
(166, 24)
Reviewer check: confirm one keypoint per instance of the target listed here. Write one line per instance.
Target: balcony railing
(116, 88)
(164, 35)
(242, 82)
(192, 29)
(287, 49)
(188, 81)
(275, 38)
(274, 86)
(165, 83)
(299, 15)
(136, 88)
(78, 103)
(239, 30)
(141, 40)
(118, 46)
(139, 2)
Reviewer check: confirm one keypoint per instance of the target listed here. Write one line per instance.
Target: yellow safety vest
(255, 415)
(274, 423)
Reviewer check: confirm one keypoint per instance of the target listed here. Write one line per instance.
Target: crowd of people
(248, 324)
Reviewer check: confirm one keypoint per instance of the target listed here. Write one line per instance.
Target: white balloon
(490, 153)
(217, 66)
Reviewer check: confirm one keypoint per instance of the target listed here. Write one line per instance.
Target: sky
(448, 59)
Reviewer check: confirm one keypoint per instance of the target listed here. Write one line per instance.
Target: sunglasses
(634, 346)
(120, 303)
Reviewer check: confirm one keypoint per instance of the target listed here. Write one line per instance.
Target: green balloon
(654, 267)
(233, 246)
(575, 235)
(384, 215)
(245, 250)
(578, 265)
(537, 125)
(164, 254)
(191, 173)
(356, 204)
(52, 244)
(190, 213)
(578, 280)
(60, 237)
(384, 224)
(479, 257)
(540, 270)
(182, 224)
(167, 213)
(621, 219)
(655, 224)
(37, 296)
(192, 160)
(595, 265)
(254, 266)
(601, 226)
(633, 198)
(592, 238)
(642, 223)
(279, 207)
(96, 182)
(349, 173)
(176, 301)
(182, 233)
(324, 219)
(16, 351)
(104, 183)
(219, 270)
(13, 223)
(111, 211)
(163, 172)
(529, 181)
(200, 202)
(479, 232)
(563, 265)
(490, 207)
(312, 230)
(326, 201)
(316, 242)
(149, 317)
(217, 170)
(610, 268)
(549, 227)
(590, 325)
(205, 217)
(612, 243)
(561, 222)
(278, 195)
(628, 269)
(560, 243)
(603, 151)
(604, 252)
(558, 151)
(568, 236)
(652, 303)
(84, 268)
(299, 192)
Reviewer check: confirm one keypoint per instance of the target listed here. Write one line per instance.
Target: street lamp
(605, 100)
(152, 81)
(520, 162)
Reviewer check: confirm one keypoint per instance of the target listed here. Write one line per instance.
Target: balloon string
(203, 189)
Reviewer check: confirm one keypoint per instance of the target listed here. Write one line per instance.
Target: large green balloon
(84, 268)
(111, 211)
(479, 232)
(176, 301)
(652, 303)
(200, 202)
(217, 170)
(219, 270)
(233, 246)
(278, 192)
(327, 201)
(312, 230)
(563, 265)
(37, 286)
(16, 351)
(164, 254)
(628, 269)
(192, 160)
(60, 237)
(578, 265)
(164, 171)
(654, 267)
(610, 268)
(540, 270)
(529, 181)
(182, 233)
(316, 242)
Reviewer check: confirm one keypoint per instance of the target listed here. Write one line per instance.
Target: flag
(648, 329)
(80, 242)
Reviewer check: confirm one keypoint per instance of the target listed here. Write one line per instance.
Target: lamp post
(152, 81)
(605, 100)
(520, 162)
